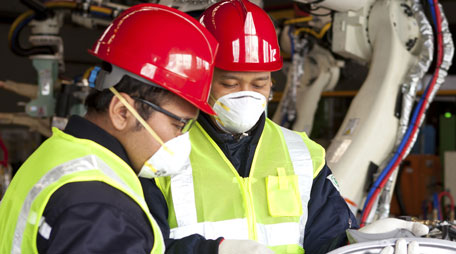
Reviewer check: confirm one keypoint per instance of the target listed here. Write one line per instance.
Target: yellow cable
(324, 30)
(305, 30)
(139, 118)
(17, 21)
(101, 9)
(29, 13)
(318, 35)
(87, 73)
(298, 20)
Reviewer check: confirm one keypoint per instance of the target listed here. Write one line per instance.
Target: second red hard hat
(247, 37)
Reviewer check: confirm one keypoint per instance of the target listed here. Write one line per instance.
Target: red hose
(450, 197)
(420, 115)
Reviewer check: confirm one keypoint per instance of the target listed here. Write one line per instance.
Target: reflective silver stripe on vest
(278, 234)
(44, 229)
(272, 234)
(182, 190)
(183, 194)
(90, 162)
(229, 229)
(303, 168)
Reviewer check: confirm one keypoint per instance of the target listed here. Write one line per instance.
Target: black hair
(98, 101)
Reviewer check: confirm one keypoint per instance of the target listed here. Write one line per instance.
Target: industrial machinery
(53, 99)
(396, 39)
(427, 246)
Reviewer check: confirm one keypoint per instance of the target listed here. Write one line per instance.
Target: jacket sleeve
(93, 217)
(159, 209)
(328, 216)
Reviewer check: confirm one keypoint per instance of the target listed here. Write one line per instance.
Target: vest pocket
(283, 195)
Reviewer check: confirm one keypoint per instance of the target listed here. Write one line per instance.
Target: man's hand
(243, 247)
(390, 224)
(402, 248)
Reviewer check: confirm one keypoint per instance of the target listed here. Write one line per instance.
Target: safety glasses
(188, 123)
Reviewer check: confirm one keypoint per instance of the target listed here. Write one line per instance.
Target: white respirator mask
(239, 112)
(163, 163)
(171, 158)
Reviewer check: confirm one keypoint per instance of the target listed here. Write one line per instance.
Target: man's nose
(246, 87)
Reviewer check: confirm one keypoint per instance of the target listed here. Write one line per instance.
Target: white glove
(243, 247)
(390, 224)
(402, 248)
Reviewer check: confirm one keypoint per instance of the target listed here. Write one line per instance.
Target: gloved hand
(243, 247)
(390, 224)
(402, 248)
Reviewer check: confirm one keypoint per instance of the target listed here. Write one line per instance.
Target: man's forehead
(245, 76)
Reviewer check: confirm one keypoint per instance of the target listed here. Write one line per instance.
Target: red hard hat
(247, 37)
(164, 46)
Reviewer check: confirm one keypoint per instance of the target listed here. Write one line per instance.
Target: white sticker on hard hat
(333, 181)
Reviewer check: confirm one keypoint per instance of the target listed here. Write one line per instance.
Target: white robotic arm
(321, 73)
(337, 5)
(395, 39)
(368, 134)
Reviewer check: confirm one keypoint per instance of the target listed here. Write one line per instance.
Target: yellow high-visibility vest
(270, 206)
(60, 160)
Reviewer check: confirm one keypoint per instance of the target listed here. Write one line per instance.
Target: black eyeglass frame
(188, 123)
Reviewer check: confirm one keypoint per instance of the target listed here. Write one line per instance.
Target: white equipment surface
(337, 5)
(427, 246)
(370, 122)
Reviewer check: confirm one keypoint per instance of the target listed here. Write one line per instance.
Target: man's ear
(119, 114)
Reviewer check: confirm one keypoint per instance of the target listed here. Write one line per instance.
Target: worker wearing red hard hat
(249, 183)
(79, 192)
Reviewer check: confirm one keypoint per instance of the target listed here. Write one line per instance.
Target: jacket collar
(82, 128)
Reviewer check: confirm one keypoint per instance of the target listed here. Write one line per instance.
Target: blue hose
(18, 28)
(434, 18)
(290, 34)
(401, 147)
(436, 204)
(408, 132)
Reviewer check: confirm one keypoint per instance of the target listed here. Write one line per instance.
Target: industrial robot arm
(368, 134)
(395, 39)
